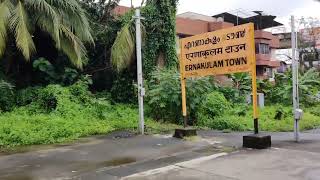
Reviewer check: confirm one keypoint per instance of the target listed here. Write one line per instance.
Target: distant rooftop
(197, 16)
(240, 16)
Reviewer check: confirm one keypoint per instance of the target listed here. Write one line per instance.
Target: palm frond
(19, 24)
(73, 17)
(122, 51)
(72, 46)
(48, 19)
(5, 14)
(4, 85)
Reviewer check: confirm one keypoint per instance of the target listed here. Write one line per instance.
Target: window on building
(262, 48)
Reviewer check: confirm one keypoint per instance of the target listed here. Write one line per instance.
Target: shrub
(7, 100)
(239, 109)
(223, 122)
(232, 94)
(315, 110)
(123, 90)
(215, 104)
(163, 95)
(26, 96)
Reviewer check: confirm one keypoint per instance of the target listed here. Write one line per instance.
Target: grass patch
(271, 118)
(20, 128)
(59, 114)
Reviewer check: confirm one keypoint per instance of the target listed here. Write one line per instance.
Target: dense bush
(222, 122)
(164, 95)
(315, 110)
(268, 120)
(281, 92)
(57, 114)
(215, 104)
(26, 96)
(123, 89)
(232, 94)
(7, 96)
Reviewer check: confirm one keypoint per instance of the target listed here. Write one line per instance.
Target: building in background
(308, 47)
(190, 24)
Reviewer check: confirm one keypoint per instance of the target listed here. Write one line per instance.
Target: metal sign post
(294, 80)
(141, 90)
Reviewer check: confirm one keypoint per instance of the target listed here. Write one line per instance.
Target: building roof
(120, 10)
(196, 16)
(260, 20)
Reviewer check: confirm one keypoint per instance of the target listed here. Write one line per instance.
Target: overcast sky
(281, 8)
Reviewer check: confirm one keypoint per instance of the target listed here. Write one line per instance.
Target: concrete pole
(141, 91)
(294, 78)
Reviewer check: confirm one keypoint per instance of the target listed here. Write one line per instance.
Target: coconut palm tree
(64, 20)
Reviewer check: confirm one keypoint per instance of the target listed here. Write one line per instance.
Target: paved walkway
(214, 155)
(287, 160)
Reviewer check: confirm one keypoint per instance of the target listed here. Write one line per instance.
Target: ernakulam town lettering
(202, 42)
(217, 64)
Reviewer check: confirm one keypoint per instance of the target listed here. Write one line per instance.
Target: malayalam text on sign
(220, 52)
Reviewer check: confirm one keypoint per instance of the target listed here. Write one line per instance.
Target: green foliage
(315, 110)
(309, 84)
(232, 94)
(7, 96)
(123, 89)
(215, 104)
(241, 82)
(48, 74)
(64, 21)
(239, 109)
(163, 94)
(46, 68)
(160, 21)
(123, 49)
(26, 96)
(58, 114)
(221, 123)
(268, 120)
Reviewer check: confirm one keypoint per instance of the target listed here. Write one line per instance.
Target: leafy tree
(160, 47)
(241, 82)
(105, 26)
(309, 83)
(160, 38)
(123, 49)
(63, 20)
(307, 39)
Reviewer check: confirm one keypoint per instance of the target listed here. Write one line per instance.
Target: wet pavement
(80, 160)
(286, 160)
(123, 155)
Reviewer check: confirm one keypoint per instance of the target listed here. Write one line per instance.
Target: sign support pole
(254, 101)
(183, 93)
(254, 88)
(294, 80)
(141, 90)
(184, 101)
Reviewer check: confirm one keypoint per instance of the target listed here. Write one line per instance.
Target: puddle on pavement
(119, 161)
(85, 166)
(80, 167)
